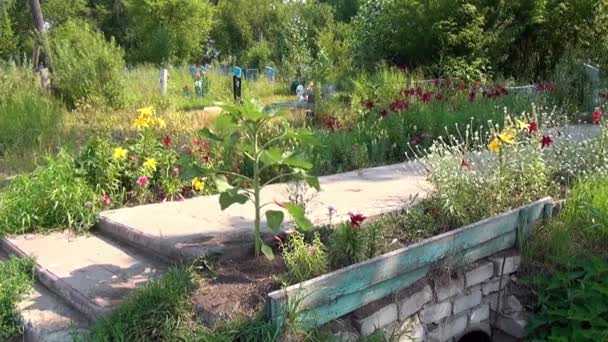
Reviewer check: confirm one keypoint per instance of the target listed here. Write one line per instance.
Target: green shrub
(87, 68)
(28, 117)
(16, 279)
(159, 311)
(571, 303)
(51, 197)
(304, 260)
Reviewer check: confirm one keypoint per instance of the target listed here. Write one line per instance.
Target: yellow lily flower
(507, 136)
(150, 164)
(198, 184)
(120, 153)
(147, 111)
(521, 125)
(495, 145)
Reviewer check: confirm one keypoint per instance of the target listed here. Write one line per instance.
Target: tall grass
(30, 119)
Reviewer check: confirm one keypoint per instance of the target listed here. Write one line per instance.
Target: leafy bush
(87, 68)
(28, 117)
(158, 311)
(571, 303)
(304, 260)
(16, 279)
(52, 197)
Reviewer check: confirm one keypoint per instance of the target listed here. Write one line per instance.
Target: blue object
(192, 70)
(251, 74)
(238, 72)
(269, 73)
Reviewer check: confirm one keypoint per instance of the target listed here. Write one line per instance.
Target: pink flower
(143, 180)
(312, 250)
(105, 199)
(465, 164)
(134, 158)
(356, 219)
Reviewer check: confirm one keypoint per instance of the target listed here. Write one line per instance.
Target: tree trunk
(45, 77)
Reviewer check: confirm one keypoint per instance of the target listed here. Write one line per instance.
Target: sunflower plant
(267, 143)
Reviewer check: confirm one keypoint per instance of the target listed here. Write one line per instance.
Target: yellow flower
(120, 153)
(198, 184)
(148, 111)
(495, 145)
(150, 164)
(141, 122)
(521, 125)
(507, 136)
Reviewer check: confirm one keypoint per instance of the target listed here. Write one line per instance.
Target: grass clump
(52, 197)
(161, 310)
(16, 279)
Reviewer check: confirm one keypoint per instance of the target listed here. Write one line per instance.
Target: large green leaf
(272, 156)
(228, 198)
(221, 182)
(298, 162)
(267, 251)
(298, 213)
(274, 219)
(225, 124)
(209, 135)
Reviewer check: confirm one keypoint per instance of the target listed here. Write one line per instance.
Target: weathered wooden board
(332, 295)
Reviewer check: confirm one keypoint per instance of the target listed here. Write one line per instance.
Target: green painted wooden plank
(328, 288)
(356, 277)
(317, 316)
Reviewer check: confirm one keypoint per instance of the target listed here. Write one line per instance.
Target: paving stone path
(89, 275)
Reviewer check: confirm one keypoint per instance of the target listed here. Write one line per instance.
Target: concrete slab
(46, 318)
(89, 273)
(194, 227)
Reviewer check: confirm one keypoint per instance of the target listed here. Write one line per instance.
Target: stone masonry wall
(437, 309)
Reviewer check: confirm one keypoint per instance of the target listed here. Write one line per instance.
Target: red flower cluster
(356, 219)
(496, 92)
(597, 116)
(398, 106)
(542, 87)
(202, 148)
(332, 123)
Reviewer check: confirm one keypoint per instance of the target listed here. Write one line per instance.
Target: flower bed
(335, 294)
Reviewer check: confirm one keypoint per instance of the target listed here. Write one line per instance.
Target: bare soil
(237, 289)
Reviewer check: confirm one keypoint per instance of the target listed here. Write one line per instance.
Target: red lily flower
(546, 141)
(532, 127)
(597, 116)
(383, 113)
(472, 95)
(368, 104)
(356, 219)
(448, 83)
(398, 106)
(426, 97)
(166, 140)
(465, 164)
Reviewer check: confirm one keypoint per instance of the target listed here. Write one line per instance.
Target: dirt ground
(233, 290)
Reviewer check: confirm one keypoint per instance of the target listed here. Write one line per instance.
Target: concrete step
(46, 318)
(90, 273)
(185, 230)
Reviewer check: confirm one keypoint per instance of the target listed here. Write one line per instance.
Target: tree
(168, 31)
(8, 39)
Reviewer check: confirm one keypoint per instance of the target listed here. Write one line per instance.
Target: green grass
(161, 310)
(16, 279)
